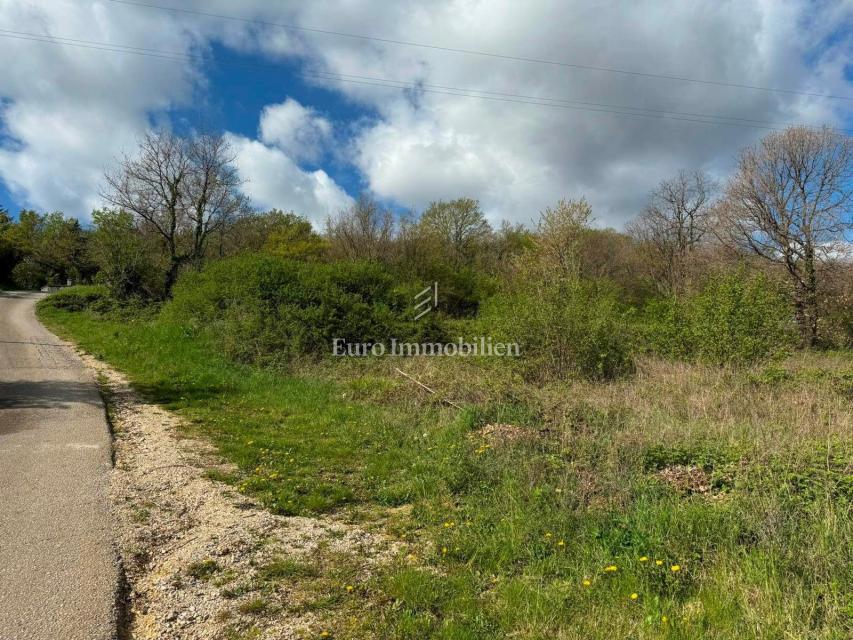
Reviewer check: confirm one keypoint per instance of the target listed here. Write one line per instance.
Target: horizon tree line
(177, 203)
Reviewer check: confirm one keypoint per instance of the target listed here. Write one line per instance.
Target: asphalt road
(58, 571)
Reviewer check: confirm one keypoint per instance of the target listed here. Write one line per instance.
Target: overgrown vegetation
(517, 506)
(668, 457)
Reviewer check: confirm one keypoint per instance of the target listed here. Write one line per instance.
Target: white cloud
(295, 129)
(273, 179)
(72, 110)
(518, 158)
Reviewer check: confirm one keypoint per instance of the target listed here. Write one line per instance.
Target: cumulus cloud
(295, 129)
(273, 179)
(517, 158)
(71, 110)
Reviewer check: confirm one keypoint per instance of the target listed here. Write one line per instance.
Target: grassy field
(684, 502)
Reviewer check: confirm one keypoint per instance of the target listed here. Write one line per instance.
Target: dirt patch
(196, 554)
(687, 479)
(495, 434)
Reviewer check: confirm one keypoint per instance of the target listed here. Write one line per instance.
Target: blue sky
(68, 112)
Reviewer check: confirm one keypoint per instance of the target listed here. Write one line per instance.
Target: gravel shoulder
(202, 561)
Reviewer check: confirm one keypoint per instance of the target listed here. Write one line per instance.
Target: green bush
(124, 256)
(566, 327)
(269, 310)
(735, 319)
(79, 298)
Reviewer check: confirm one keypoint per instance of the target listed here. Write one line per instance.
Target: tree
(48, 249)
(365, 231)
(673, 225)
(9, 254)
(789, 203)
(292, 236)
(122, 255)
(181, 189)
(558, 237)
(459, 224)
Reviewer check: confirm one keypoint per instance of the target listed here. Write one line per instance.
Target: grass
(510, 532)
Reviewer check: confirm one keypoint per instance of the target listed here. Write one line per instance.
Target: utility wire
(389, 83)
(473, 52)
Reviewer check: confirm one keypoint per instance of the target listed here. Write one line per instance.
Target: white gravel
(170, 515)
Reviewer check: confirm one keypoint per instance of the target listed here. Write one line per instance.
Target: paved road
(58, 571)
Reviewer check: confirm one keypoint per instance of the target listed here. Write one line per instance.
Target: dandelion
(561, 543)
(664, 619)
(449, 525)
(349, 588)
(658, 562)
(644, 558)
(325, 634)
(611, 567)
(444, 551)
(634, 596)
(586, 582)
(675, 568)
(548, 534)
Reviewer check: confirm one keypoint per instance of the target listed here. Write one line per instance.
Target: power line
(473, 52)
(390, 83)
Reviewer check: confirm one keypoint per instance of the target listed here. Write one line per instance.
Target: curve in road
(58, 568)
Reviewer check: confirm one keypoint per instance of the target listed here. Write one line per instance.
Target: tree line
(176, 204)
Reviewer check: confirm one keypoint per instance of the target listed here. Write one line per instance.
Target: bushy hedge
(80, 298)
(735, 319)
(269, 310)
(566, 328)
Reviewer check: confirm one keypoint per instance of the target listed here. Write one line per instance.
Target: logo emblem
(426, 301)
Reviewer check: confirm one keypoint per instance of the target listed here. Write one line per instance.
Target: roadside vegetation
(668, 458)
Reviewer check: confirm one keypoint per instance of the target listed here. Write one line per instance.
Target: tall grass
(516, 506)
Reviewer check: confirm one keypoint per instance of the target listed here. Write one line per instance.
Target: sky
(300, 89)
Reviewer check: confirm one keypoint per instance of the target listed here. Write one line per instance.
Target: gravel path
(58, 569)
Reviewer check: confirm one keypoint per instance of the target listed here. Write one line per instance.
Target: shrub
(79, 298)
(269, 310)
(566, 327)
(28, 274)
(735, 319)
(124, 257)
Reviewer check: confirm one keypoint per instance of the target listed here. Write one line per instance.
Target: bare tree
(365, 231)
(674, 224)
(182, 189)
(790, 204)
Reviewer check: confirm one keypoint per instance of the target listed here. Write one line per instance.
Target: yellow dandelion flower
(664, 619)
(444, 551)
(349, 588)
(675, 567)
(587, 583)
(634, 596)
(548, 534)
(325, 634)
(611, 567)
(644, 558)
(658, 562)
(561, 544)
